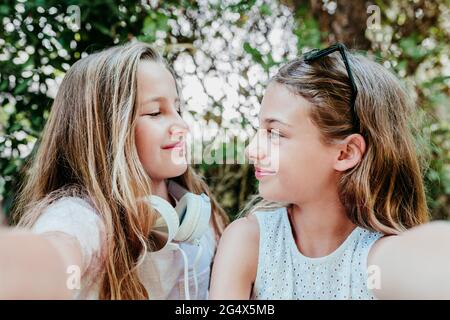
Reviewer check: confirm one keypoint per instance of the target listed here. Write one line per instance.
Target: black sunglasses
(315, 54)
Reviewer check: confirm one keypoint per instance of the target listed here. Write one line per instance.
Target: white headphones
(188, 221)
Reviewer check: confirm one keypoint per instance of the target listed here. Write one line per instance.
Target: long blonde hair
(87, 149)
(385, 191)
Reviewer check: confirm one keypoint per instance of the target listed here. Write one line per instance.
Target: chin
(272, 192)
(267, 192)
(176, 170)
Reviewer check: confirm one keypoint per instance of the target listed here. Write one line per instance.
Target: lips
(175, 145)
(261, 173)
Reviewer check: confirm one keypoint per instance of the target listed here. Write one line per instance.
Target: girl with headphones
(115, 211)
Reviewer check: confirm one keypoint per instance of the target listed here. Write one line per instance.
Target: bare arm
(415, 264)
(235, 264)
(34, 266)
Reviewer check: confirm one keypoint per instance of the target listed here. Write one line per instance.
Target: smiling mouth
(260, 173)
(175, 145)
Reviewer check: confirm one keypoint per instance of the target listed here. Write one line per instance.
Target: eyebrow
(157, 99)
(271, 120)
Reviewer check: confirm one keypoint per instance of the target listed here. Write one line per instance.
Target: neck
(159, 188)
(320, 226)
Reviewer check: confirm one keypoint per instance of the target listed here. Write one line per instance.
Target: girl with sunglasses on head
(114, 137)
(343, 213)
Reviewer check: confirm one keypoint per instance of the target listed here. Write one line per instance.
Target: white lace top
(162, 272)
(285, 273)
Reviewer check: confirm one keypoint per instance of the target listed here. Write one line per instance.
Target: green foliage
(266, 60)
(412, 40)
(39, 40)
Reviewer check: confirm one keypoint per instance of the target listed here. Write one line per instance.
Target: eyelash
(155, 114)
(275, 131)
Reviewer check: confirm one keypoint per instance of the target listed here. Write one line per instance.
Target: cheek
(309, 163)
(148, 144)
(303, 171)
(158, 163)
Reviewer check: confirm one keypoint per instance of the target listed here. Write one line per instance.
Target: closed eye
(153, 114)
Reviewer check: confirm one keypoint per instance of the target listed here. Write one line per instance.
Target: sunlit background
(224, 53)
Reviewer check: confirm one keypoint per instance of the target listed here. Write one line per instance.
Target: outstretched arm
(235, 264)
(34, 266)
(415, 264)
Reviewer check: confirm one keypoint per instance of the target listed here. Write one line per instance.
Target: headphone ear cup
(168, 222)
(205, 216)
(194, 216)
(188, 216)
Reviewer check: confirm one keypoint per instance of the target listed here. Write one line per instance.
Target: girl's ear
(351, 151)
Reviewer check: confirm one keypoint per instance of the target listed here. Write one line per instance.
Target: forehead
(154, 79)
(280, 103)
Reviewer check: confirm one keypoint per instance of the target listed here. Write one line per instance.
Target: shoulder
(67, 210)
(242, 234)
(240, 242)
(367, 238)
(410, 255)
(70, 203)
(243, 229)
(379, 246)
(235, 265)
(71, 215)
(76, 218)
(247, 223)
(418, 237)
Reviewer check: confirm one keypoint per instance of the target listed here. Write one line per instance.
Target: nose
(178, 128)
(255, 150)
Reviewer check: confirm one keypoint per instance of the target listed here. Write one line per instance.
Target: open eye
(274, 134)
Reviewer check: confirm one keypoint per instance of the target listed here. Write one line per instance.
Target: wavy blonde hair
(385, 191)
(87, 149)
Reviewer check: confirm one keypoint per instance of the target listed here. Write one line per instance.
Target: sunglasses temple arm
(350, 75)
(327, 51)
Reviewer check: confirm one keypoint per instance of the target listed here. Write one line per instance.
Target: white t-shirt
(161, 273)
(285, 273)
